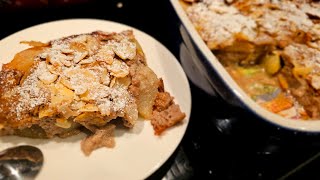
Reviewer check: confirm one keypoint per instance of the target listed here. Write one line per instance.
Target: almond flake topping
(69, 75)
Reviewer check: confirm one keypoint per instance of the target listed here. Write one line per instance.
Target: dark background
(221, 142)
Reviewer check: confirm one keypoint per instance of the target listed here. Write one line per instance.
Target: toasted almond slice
(78, 56)
(90, 118)
(78, 90)
(63, 123)
(92, 45)
(60, 95)
(123, 82)
(105, 107)
(64, 80)
(87, 61)
(315, 82)
(47, 77)
(54, 69)
(125, 49)
(67, 51)
(54, 61)
(66, 63)
(76, 97)
(113, 81)
(105, 54)
(46, 112)
(85, 97)
(118, 68)
(79, 80)
(80, 39)
(78, 46)
(89, 108)
(104, 77)
(66, 111)
(76, 105)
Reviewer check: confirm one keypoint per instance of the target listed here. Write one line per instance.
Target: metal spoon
(20, 163)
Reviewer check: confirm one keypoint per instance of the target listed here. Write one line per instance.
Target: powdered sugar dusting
(31, 93)
(88, 82)
(124, 49)
(217, 23)
(304, 56)
(286, 19)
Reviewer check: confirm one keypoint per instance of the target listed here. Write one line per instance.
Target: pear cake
(270, 48)
(83, 83)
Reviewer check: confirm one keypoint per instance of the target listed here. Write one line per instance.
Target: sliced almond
(105, 107)
(54, 60)
(80, 39)
(87, 61)
(123, 82)
(54, 69)
(125, 49)
(89, 108)
(105, 77)
(105, 54)
(113, 81)
(315, 82)
(78, 56)
(66, 62)
(67, 51)
(47, 77)
(63, 123)
(65, 81)
(118, 68)
(92, 45)
(76, 105)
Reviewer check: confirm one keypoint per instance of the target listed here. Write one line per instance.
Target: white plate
(138, 153)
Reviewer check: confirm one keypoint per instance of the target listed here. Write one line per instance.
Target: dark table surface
(221, 142)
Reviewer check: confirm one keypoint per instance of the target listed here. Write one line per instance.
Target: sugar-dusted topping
(105, 54)
(7, 78)
(286, 19)
(311, 9)
(303, 55)
(113, 100)
(118, 68)
(85, 74)
(218, 23)
(31, 93)
(46, 76)
(125, 49)
(101, 73)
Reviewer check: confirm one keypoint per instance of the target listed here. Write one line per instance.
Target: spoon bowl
(21, 162)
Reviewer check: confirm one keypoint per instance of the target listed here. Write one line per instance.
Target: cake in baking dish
(271, 49)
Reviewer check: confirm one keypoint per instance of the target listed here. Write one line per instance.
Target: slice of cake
(81, 83)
